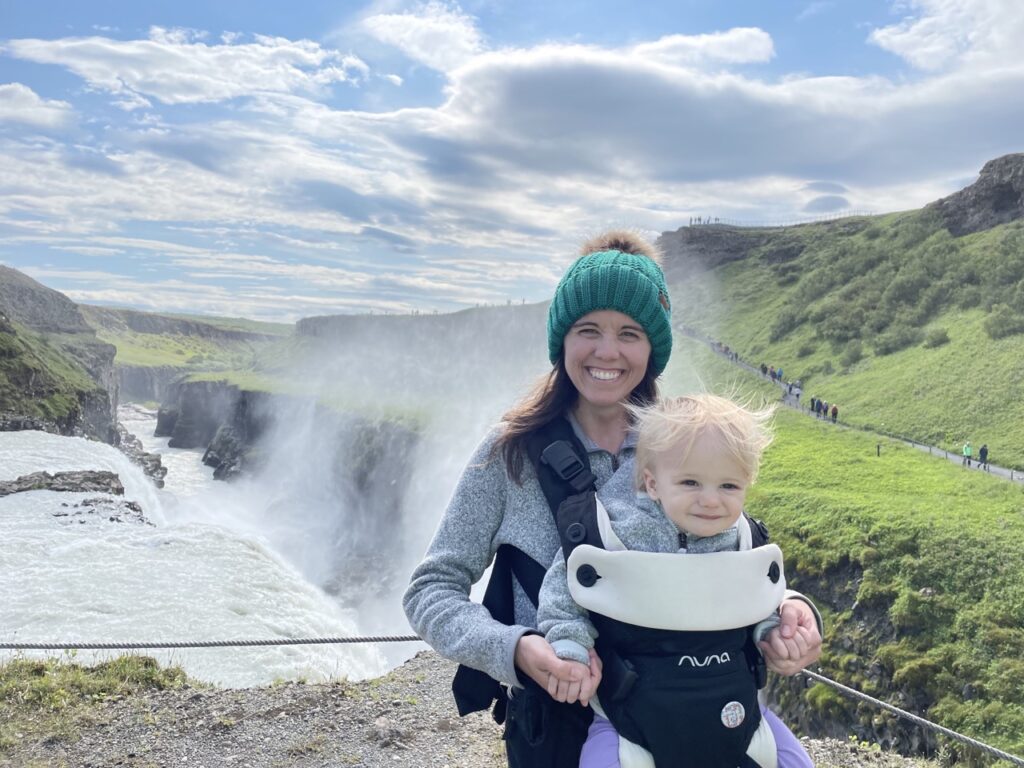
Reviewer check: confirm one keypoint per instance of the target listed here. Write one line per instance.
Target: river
(196, 573)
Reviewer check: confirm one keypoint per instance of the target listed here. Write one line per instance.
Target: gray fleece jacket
(487, 510)
(641, 526)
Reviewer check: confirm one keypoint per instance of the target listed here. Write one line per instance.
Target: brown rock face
(997, 197)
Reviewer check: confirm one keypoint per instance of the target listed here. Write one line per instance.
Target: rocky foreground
(404, 719)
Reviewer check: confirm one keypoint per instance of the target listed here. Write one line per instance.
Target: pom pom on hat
(617, 271)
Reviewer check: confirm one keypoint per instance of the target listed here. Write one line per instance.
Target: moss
(50, 699)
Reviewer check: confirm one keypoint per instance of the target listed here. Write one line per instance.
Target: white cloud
(436, 34)
(487, 195)
(393, 79)
(89, 250)
(735, 46)
(175, 67)
(20, 104)
(942, 33)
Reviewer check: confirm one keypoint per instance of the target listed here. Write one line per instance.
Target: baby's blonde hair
(744, 429)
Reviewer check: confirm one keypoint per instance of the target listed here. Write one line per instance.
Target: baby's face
(703, 493)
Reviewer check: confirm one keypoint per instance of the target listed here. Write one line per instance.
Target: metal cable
(915, 718)
(204, 643)
(413, 639)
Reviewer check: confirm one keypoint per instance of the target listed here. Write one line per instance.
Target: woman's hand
(558, 677)
(796, 642)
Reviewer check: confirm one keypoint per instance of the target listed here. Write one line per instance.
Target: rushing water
(85, 578)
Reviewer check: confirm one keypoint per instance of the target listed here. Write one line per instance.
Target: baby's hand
(572, 681)
(786, 656)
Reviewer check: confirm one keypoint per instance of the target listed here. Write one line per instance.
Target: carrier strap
(563, 471)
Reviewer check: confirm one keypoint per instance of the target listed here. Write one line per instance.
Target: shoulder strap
(563, 471)
(758, 532)
(577, 524)
(560, 459)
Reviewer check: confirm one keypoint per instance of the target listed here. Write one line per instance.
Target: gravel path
(404, 719)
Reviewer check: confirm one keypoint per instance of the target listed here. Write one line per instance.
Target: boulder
(997, 197)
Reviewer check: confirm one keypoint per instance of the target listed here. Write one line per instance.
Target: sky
(279, 160)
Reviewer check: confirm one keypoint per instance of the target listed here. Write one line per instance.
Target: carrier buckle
(564, 462)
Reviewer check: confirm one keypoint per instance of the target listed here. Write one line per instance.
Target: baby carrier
(681, 671)
(563, 472)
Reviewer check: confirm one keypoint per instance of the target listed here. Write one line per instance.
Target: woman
(609, 338)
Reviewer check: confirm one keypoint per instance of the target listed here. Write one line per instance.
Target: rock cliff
(997, 197)
(140, 384)
(148, 322)
(53, 369)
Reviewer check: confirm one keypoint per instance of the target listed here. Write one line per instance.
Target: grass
(239, 324)
(43, 375)
(860, 315)
(178, 350)
(913, 560)
(927, 551)
(50, 700)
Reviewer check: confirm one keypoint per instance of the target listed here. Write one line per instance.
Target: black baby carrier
(689, 697)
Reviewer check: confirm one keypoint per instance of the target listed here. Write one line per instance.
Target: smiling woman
(609, 338)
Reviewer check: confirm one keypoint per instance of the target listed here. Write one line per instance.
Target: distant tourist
(983, 457)
(609, 337)
(967, 454)
(835, 412)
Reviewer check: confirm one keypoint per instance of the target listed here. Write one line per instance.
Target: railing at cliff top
(712, 221)
(814, 676)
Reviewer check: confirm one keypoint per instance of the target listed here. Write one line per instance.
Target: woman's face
(606, 354)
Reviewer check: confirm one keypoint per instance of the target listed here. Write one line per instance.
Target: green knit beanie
(630, 283)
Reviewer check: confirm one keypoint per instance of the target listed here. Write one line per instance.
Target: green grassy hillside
(936, 549)
(914, 561)
(42, 375)
(908, 329)
(146, 339)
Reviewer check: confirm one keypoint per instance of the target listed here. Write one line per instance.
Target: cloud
(89, 250)
(176, 67)
(814, 9)
(735, 46)
(436, 34)
(941, 33)
(827, 204)
(825, 186)
(20, 104)
(485, 196)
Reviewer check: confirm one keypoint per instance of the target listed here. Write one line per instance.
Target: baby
(677, 635)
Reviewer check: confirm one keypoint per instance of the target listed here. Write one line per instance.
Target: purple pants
(601, 749)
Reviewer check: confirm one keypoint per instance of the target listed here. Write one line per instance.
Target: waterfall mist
(351, 478)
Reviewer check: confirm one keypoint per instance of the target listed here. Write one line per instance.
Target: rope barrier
(917, 720)
(204, 643)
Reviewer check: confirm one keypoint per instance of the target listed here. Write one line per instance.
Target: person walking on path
(835, 412)
(967, 455)
(983, 457)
